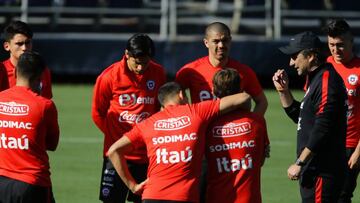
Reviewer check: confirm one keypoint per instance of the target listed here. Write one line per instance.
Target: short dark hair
(320, 57)
(226, 82)
(167, 91)
(337, 27)
(30, 65)
(17, 27)
(140, 45)
(217, 26)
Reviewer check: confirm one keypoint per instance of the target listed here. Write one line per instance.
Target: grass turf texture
(77, 162)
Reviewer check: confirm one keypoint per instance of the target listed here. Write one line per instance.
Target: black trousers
(14, 191)
(326, 189)
(113, 189)
(350, 180)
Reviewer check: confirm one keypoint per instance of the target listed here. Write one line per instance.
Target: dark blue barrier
(87, 58)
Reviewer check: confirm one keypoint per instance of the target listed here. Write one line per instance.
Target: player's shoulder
(196, 63)
(240, 67)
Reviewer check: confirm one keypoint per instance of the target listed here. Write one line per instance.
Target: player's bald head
(217, 27)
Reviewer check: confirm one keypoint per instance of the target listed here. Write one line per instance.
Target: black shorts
(113, 189)
(13, 191)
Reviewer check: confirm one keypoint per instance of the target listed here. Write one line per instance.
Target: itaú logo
(172, 123)
(14, 109)
(232, 129)
(13, 142)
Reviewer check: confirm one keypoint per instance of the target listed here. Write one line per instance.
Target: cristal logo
(172, 123)
(127, 117)
(14, 109)
(232, 130)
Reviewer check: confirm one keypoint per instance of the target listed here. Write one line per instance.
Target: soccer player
(347, 64)
(125, 94)
(201, 71)
(175, 142)
(28, 128)
(197, 75)
(18, 39)
(321, 117)
(236, 146)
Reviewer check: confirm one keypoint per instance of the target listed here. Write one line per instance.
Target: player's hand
(281, 80)
(354, 161)
(293, 172)
(139, 188)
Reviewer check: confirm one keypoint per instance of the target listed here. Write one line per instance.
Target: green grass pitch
(76, 164)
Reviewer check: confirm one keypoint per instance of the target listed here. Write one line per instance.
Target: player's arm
(294, 169)
(116, 155)
(52, 126)
(101, 102)
(291, 106)
(233, 102)
(354, 161)
(261, 104)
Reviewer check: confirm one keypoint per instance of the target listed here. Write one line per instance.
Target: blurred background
(80, 38)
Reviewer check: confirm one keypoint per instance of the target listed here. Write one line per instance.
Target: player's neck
(13, 60)
(216, 63)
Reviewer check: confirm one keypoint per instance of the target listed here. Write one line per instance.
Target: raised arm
(232, 102)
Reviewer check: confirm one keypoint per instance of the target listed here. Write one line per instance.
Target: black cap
(301, 41)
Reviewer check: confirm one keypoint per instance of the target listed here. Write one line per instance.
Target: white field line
(90, 140)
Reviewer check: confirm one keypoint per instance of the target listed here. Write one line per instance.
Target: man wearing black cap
(321, 118)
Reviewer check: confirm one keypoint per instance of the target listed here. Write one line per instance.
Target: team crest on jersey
(352, 79)
(232, 130)
(13, 109)
(150, 84)
(172, 123)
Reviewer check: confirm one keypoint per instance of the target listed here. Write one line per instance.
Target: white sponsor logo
(174, 138)
(173, 157)
(15, 124)
(232, 130)
(230, 165)
(351, 92)
(127, 117)
(150, 84)
(232, 145)
(14, 109)
(172, 123)
(352, 79)
(205, 95)
(131, 99)
(14, 143)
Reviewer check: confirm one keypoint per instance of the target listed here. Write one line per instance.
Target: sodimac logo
(172, 123)
(232, 129)
(14, 109)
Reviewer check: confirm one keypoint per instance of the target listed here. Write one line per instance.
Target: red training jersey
(122, 98)
(198, 75)
(45, 84)
(235, 146)
(175, 141)
(350, 74)
(28, 127)
(4, 83)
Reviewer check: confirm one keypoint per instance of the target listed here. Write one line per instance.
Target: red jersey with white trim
(175, 142)
(122, 98)
(45, 79)
(235, 146)
(28, 127)
(4, 84)
(350, 73)
(198, 75)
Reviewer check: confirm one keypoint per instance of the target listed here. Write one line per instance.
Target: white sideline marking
(79, 140)
(90, 140)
